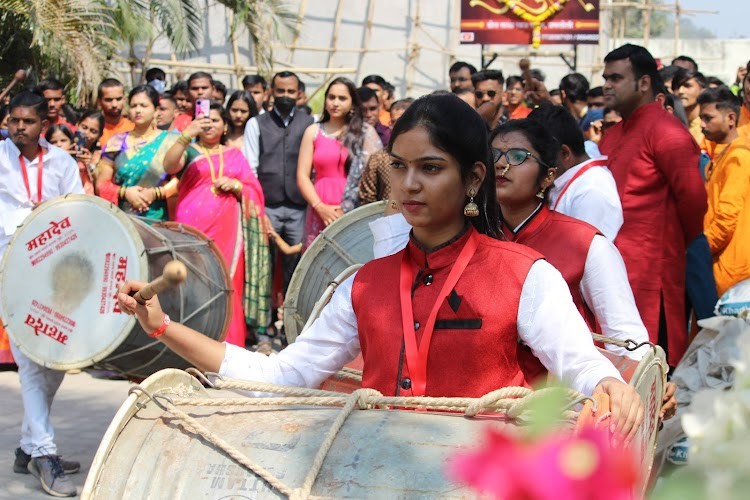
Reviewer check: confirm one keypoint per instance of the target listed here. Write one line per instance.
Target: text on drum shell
(42, 238)
(51, 331)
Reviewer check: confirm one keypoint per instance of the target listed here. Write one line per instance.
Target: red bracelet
(160, 331)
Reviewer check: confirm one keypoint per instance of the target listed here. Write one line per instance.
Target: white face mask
(158, 85)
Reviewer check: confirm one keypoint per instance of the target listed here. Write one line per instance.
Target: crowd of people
(633, 193)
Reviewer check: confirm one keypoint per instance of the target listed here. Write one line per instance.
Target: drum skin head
(346, 242)
(58, 281)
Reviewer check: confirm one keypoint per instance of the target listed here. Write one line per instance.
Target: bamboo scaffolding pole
(367, 37)
(235, 50)
(335, 34)
(310, 48)
(230, 68)
(414, 48)
(676, 45)
(646, 22)
(297, 31)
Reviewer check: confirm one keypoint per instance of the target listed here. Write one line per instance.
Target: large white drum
(146, 453)
(59, 277)
(346, 242)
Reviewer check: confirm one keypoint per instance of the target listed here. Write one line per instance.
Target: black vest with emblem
(277, 162)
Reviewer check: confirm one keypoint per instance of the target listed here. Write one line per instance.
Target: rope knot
(363, 397)
(490, 400)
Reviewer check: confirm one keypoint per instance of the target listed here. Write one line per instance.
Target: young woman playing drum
(455, 292)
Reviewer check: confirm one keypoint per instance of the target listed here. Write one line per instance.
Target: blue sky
(730, 22)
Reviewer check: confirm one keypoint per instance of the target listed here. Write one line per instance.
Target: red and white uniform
(588, 192)
(524, 298)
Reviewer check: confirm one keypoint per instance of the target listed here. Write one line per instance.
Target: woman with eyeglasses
(428, 320)
(523, 153)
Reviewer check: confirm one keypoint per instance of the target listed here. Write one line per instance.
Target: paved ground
(82, 411)
(83, 408)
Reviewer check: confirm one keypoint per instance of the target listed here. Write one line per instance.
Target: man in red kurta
(653, 159)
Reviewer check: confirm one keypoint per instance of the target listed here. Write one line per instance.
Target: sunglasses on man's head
(480, 94)
(514, 156)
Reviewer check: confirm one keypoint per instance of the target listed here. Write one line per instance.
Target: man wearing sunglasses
(488, 91)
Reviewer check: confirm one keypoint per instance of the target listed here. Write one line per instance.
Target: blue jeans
(700, 285)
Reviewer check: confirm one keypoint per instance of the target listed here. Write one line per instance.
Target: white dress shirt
(604, 286)
(59, 176)
(592, 197)
(251, 141)
(548, 322)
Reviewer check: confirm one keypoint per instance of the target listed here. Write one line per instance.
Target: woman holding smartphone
(219, 194)
(443, 316)
(131, 171)
(88, 131)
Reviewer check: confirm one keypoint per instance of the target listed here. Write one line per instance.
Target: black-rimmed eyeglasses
(514, 156)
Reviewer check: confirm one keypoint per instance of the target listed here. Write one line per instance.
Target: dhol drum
(649, 378)
(148, 453)
(58, 286)
(345, 243)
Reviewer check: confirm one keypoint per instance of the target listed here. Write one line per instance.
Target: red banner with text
(535, 22)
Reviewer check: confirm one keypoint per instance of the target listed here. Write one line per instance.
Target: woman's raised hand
(196, 126)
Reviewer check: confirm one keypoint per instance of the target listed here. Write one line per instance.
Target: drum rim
(143, 276)
(315, 248)
(162, 380)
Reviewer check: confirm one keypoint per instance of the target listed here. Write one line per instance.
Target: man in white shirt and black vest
(272, 143)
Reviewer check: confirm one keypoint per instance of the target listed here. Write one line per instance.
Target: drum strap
(25, 174)
(583, 170)
(416, 354)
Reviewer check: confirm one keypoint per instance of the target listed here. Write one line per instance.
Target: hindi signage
(519, 22)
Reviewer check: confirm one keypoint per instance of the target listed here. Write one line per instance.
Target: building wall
(413, 42)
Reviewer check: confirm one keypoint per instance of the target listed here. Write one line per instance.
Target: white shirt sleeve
(70, 180)
(390, 234)
(549, 323)
(319, 352)
(606, 290)
(593, 198)
(251, 144)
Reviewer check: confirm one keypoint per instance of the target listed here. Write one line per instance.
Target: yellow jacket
(727, 221)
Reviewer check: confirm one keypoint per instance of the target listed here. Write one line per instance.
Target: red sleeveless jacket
(474, 347)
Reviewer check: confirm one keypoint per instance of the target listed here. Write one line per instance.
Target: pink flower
(559, 467)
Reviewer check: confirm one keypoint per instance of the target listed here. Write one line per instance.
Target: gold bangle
(184, 139)
(237, 186)
(121, 192)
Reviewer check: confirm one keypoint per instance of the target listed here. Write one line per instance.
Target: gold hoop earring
(471, 209)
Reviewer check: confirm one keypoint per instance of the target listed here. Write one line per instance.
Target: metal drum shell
(377, 453)
(344, 243)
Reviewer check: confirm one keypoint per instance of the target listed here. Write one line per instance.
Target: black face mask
(284, 104)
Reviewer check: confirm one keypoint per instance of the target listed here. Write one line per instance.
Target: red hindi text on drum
(55, 229)
(51, 331)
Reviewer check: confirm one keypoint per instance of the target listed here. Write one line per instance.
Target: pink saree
(235, 228)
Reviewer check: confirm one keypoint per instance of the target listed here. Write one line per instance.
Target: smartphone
(80, 140)
(202, 107)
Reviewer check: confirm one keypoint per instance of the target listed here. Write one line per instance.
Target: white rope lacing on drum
(513, 402)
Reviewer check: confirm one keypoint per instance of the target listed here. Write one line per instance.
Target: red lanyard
(583, 170)
(416, 355)
(40, 170)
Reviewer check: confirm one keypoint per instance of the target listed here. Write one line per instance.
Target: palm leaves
(63, 33)
(265, 20)
(78, 40)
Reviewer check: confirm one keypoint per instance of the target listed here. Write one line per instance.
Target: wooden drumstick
(18, 77)
(174, 273)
